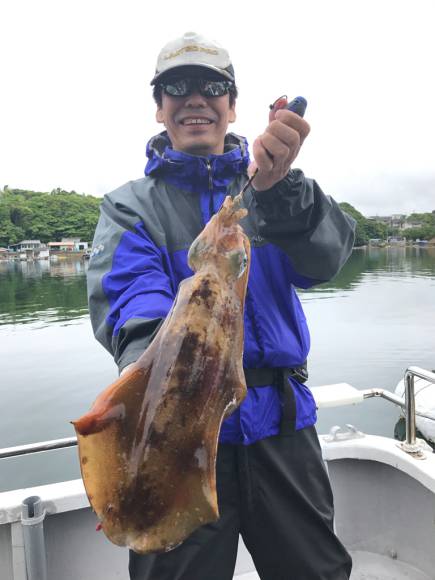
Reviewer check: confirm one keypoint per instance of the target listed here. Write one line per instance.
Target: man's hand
(277, 148)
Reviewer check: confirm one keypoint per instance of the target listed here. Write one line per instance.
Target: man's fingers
(279, 151)
(288, 136)
(293, 121)
(277, 148)
(263, 160)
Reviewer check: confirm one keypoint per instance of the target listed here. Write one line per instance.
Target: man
(272, 485)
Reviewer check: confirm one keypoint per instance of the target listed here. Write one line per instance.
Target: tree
(365, 228)
(46, 216)
(426, 232)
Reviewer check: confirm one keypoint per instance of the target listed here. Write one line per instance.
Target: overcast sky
(76, 107)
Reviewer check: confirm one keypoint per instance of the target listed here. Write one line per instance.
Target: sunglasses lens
(214, 88)
(185, 87)
(180, 88)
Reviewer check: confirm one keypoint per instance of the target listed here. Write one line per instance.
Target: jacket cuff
(291, 185)
(133, 339)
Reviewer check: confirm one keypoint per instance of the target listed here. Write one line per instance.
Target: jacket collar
(193, 173)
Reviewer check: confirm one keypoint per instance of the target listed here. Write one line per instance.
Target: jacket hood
(192, 172)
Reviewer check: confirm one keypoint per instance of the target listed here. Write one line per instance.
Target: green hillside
(51, 216)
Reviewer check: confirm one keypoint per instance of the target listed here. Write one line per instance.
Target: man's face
(196, 124)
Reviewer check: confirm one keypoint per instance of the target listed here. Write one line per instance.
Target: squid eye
(195, 250)
(239, 262)
(243, 264)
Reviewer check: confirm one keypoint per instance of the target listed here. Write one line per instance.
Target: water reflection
(42, 291)
(49, 291)
(397, 261)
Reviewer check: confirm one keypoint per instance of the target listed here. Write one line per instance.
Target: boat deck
(369, 566)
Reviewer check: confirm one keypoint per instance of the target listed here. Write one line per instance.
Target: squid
(148, 445)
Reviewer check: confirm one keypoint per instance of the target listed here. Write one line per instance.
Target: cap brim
(221, 72)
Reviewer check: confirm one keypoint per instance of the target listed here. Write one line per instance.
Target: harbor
(30, 250)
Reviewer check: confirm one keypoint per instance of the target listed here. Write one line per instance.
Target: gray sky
(76, 107)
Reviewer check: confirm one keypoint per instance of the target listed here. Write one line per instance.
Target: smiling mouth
(196, 121)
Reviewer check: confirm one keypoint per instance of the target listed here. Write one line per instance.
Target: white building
(27, 245)
(79, 246)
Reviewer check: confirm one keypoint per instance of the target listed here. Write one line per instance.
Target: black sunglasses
(205, 87)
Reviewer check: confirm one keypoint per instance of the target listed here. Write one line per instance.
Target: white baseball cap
(192, 49)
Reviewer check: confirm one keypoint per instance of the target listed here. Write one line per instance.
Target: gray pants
(276, 494)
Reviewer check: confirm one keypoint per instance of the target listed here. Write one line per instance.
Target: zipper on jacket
(210, 188)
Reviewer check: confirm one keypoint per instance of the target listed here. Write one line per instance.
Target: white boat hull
(384, 502)
(385, 514)
(385, 508)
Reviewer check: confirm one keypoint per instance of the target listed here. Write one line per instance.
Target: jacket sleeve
(307, 225)
(129, 291)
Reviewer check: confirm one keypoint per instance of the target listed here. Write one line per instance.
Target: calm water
(375, 319)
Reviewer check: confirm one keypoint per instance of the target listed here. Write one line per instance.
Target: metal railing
(410, 445)
(37, 447)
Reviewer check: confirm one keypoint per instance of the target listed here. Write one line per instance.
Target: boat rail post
(32, 520)
(411, 445)
(411, 431)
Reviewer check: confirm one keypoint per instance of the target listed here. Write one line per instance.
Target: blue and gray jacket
(299, 237)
